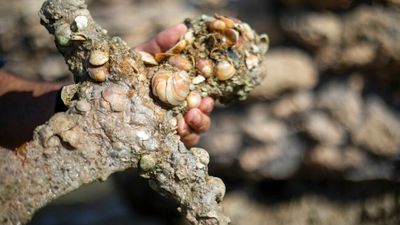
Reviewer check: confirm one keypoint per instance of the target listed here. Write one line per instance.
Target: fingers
(164, 40)
(197, 120)
(149, 47)
(207, 105)
(188, 136)
(193, 123)
(191, 139)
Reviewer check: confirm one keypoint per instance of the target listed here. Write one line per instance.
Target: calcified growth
(217, 57)
(122, 113)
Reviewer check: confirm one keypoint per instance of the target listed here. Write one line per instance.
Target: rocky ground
(317, 143)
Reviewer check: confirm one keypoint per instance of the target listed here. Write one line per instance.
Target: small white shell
(148, 59)
(81, 22)
(224, 70)
(198, 79)
(189, 37)
(98, 57)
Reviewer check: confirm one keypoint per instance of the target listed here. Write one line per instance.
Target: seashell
(178, 47)
(63, 35)
(232, 35)
(68, 93)
(205, 67)
(193, 100)
(252, 61)
(147, 162)
(255, 48)
(159, 57)
(247, 31)
(228, 21)
(147, 58)
(83, 105)
(98, 73)
(198, 80)
(240, 43)
(116, 97)
(202, 155)
(264, 43)
(189, 37)
(218, 189)
(224, 70)
(217, 25)
(171, 87)
(81, 22)
(78, 37)
(180, 62)
(98, 57)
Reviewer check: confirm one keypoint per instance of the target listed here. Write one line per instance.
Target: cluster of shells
(218, 57)
(97, 66)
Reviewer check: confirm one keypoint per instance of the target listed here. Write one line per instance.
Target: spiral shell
(171, 87)
(224, 70)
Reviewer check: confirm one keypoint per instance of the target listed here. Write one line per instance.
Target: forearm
(24, 105)
(10, 83)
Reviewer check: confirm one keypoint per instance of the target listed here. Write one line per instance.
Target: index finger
(163, 40)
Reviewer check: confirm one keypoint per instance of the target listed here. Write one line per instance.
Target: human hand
(196, 120)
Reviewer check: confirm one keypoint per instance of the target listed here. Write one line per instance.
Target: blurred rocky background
(317, 143)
